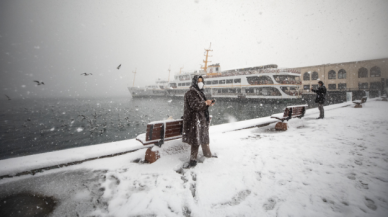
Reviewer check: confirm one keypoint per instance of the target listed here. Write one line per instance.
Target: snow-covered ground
(332, 167)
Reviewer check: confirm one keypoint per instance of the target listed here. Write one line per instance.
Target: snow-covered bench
(360, 102)
(296, 111)
(157, 133)
(160, 131)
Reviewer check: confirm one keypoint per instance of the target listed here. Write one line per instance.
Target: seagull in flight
(86, 74)
(39, 83)
(118, 67)
(8, 97)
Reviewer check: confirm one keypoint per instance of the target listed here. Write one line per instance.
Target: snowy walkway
(332, 167)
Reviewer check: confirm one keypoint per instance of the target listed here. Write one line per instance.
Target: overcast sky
(55, 41)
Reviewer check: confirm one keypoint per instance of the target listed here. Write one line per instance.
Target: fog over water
(56, 41)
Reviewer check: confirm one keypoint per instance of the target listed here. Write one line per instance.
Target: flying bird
(86, 74)
(8, 97)
(39, 83)
(118, 67)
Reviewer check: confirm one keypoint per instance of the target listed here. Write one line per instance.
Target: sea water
(31, 126)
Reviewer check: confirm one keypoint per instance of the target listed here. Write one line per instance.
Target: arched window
(332, 74)
(363, 72)
(341, 74)
(314, 76)
(375, 72)
(306, 76)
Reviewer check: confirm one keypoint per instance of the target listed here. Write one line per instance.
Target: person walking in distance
(196, 120)
(320, 99)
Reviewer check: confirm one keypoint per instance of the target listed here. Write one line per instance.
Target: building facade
(348, 76)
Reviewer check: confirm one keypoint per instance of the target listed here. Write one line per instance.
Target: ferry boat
(156, 90)
(259, 82)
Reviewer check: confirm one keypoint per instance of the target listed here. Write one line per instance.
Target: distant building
(348, 76)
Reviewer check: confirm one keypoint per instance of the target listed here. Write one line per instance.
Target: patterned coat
(195, 126)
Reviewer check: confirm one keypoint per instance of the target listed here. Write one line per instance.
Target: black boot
(193, 163)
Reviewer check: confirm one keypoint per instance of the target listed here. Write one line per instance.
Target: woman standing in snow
(196, 120)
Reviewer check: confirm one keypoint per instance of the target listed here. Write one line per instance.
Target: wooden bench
(159, 132)
(290, 112)
(360, 102)
(384, 98)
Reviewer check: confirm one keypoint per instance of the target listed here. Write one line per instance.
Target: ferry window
(224, 90)
(215, 82)
(363, 85)
(314, 86)
(363, 72)
(269, 91)
(255, 80)
(232, 90)
(237, 80)
(249, 90)
(342, 86)
(188, 84)
(306, 87)
(291, 91)
(332, 86)
(375, 85)
(375, 72)
(208, 82)
(239, 90)
(179, 84)
(217, 69)
(229, 81)
(306, 76)
(332, 74)
(219, 90)
(341, 74)
(222, 82)
(287, 79)
(314, 76)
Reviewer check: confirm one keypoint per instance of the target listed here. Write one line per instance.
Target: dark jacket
(196, 116)
(321, 93)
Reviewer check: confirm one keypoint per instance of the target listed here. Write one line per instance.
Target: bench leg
(151, 156)
(358, 106)
(281, 126)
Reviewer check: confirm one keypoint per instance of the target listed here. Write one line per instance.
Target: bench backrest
(292, 111)
(363, 100)
(164, 129)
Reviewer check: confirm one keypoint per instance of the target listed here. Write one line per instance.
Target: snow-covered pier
(337, 166)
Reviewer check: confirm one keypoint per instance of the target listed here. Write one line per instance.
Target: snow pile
(331, 167)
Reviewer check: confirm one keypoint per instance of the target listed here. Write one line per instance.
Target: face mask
(200, 85)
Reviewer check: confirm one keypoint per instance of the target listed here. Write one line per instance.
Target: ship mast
(134, 76)
(206, 58)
